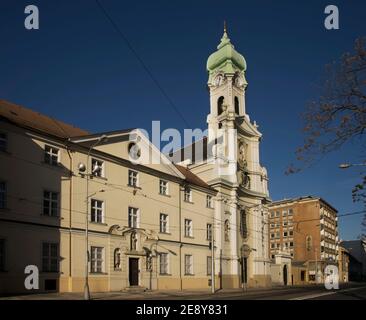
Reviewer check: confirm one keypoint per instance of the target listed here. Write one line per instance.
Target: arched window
(220, 102)
(236, 104)
(226, 230)
(309, 243)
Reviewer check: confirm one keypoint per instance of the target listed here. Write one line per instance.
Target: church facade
(77, 208)
(230, 164)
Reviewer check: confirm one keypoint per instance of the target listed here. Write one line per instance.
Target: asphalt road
(351, 291)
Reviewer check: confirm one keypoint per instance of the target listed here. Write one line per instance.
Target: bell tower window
(236, 104)
(220, 103)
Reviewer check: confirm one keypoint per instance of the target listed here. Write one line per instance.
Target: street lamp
(82, 168)
(348, 165)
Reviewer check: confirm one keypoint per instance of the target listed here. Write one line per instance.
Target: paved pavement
(351, 291)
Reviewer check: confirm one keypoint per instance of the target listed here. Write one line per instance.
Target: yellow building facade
(138, 216)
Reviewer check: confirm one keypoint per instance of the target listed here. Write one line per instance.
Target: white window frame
(94, 205)
(94, 259)
(209, 231)
(163, 187)
(164, 223)
(188, 194)
(3, 141)
(209, 201)
(47, 267)
(101, 163)
(50, 200)
(188, 228)
(133, 217)
(3, 195)
(52, 153)
(164, 265)
(133, 178)
(188, 265)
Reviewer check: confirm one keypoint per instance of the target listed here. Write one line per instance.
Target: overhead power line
(141, 61)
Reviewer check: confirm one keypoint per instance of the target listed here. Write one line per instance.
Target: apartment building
(307, 228)
(356, 250)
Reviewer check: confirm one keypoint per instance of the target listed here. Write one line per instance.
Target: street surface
(351, 291)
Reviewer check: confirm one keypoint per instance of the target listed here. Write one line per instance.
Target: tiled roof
(196, 152)
(191, 177)
(28, 118)
(34, 120)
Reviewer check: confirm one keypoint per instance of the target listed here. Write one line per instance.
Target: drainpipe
(70, 211)
(180, 238)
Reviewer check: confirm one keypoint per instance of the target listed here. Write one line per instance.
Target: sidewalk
(127, 295)
(161, 294)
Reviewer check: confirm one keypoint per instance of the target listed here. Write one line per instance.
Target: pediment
(247, 128)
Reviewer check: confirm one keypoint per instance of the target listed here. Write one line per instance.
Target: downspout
(180, 238)
(70, 216)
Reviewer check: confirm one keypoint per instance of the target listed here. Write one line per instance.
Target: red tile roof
(31, 119)
(28, 118)
(191, 177)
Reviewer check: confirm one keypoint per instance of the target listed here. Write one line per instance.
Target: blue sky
(76, 68)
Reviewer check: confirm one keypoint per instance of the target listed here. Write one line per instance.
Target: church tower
(232, 167)
(226, 82)
(243, 191)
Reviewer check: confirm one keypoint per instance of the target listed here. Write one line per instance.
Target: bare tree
(339, 115)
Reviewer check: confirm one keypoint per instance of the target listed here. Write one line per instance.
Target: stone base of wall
(260, 281)
(97, 284)
(15, 285)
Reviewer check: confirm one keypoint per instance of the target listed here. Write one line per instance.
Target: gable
(119, 144)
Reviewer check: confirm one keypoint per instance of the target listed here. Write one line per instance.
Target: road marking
(316, 295)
